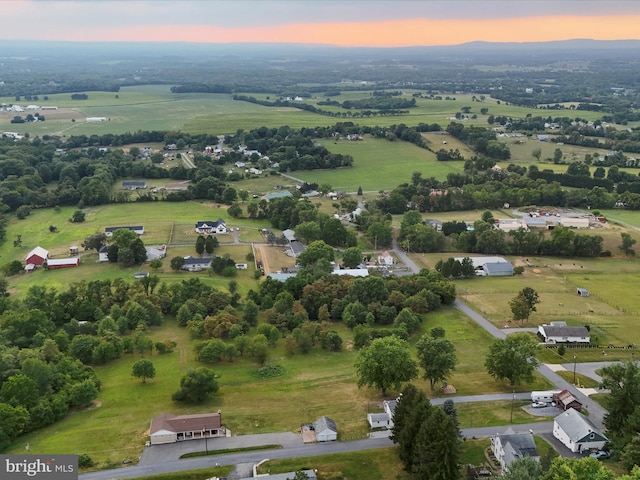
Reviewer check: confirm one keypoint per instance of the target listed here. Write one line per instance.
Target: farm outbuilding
(36, 257)
(54, 263)
(325, 429)
(565, 401)
(138, 229)
(574, 222)
(583, 292)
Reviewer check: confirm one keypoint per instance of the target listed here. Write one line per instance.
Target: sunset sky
(347, 22)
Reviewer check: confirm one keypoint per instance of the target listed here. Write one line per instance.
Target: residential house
(54, 263)
(130, 185)
(195, 264)
(138, 229)
(511, 446)
(325, 429)
(36, 257)
(559, 332)
(295, 248)
(206, 226)
(433, 223)
(565, 401)
(577, 432)
(167, 428)
(383, 420)
(385, 259)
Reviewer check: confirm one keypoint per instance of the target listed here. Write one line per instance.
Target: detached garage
(325, 429)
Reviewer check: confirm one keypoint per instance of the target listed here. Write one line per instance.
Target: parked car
(538, 405)
(600, 455)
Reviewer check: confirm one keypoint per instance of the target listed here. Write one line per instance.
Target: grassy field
(492, 414)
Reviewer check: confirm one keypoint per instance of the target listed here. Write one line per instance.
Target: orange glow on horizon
(393, 33)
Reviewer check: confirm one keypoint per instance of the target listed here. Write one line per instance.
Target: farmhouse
(139, 229)
(433, 223)
(130, 185)
(54, 263)
(574, 222)
(206, 226)
(167, 428)
(565, 401)
(194, 264)
(512, 446)
(490, 266)
(325, 429)
(559, 332)
(36, 257)
(577, 432)
(385, 258)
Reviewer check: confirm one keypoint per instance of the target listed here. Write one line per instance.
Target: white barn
(559, 332)
(577, 432)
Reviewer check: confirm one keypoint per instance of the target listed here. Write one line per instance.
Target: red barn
(54, 263)
(36, 257)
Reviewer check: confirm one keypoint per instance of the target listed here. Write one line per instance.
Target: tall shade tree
(385, 364)
(437, 358)
(513, 358)
(143, 369)
(437, 448)
(524, 303)
(623, 402)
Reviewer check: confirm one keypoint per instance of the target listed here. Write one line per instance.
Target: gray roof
(325, 423)
(297, 247)
(282, 277)
(517, 445)
(197, 261)
(564, 331)
(378, 417)
(501, 268)
(577, 426)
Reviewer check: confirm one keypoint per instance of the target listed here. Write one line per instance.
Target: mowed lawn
(316, 384)
(378, 165)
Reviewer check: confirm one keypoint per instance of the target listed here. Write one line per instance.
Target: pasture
(316, 384)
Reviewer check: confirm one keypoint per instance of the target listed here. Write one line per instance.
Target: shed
(73, 250)
(577, 432)
(325, 429)
(566, 401)
(500, 269)
(54, 263)
(583, 292)
(132, 185)
(103, 254)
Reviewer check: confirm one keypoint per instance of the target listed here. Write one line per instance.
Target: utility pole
(574, 369)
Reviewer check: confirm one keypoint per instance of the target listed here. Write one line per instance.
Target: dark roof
(566, 398)
(518, 445)
(113, 229)
(103, 249)
(564, 331)
(297, 247)
(197, 261)
(210, 223)
(134, 184)
(185, 423)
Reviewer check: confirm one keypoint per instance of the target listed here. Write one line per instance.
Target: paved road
(596, 412)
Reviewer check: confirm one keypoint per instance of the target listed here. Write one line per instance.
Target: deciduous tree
(385, 364)
(513, 358)
(143, 369)
(437, 358)
(196, 385)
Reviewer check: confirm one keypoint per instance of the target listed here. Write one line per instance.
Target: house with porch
(560, 332)
(168, 428)
(196, 264)
(208, 226)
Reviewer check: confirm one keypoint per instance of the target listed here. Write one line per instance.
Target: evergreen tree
(200, 245)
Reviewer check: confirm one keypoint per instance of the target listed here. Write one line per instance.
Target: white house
(325, 429)
(559, 332)
(511, 446)
(196, 264)
(385, 259)
(577, 432)
(383, 420)
(167, 428)
(206, 226)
